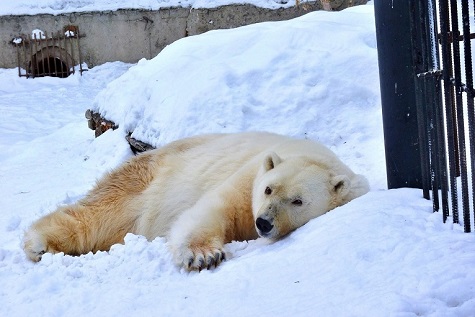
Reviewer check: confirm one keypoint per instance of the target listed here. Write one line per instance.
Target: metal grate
(427, 96)
(54, 54)
(445, 103)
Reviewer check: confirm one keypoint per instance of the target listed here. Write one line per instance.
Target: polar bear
(200, 193)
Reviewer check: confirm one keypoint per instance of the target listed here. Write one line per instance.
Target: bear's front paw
(199, 257)
(34, 245)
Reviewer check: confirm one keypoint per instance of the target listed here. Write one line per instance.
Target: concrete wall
(129, 35)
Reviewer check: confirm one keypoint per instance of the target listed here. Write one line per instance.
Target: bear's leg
(197, 237)
(57, 232)
(75, 230)
(101, 219)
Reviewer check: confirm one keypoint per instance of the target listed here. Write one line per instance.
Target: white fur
(200, 193)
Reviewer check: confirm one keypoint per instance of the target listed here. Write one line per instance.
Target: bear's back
(215, 157)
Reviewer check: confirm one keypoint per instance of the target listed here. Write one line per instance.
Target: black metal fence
(437, 59)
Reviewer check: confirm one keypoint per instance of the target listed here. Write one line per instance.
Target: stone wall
(129, 35)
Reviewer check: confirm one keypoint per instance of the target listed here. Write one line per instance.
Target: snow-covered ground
(384, 254)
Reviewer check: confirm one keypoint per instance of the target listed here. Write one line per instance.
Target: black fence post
(398, 96)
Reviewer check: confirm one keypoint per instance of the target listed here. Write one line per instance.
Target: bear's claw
(198, 261)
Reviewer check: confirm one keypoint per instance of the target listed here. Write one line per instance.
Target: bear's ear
(271, 161)
(341, 185)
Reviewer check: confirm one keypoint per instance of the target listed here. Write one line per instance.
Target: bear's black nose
(263, 225)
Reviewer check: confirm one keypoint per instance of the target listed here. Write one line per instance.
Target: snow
(38, 34)
(384, 254)
(28, 7)
(292, 75)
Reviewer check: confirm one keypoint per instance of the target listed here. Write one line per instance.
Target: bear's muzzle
(263, 226)
(265, 221)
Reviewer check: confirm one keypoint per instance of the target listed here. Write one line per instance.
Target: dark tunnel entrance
(51, 61)
(52, 66)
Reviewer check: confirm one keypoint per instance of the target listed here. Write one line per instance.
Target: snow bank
(302, 78)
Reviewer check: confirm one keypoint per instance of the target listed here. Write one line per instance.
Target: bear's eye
(268, 191)
(297, 202)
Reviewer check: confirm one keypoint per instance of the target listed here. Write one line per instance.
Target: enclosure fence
(440, 71)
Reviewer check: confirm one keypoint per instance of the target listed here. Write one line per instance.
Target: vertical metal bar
(440, 174)
(47, 56)
(429, 94)
(65, 70)
(25, 59)
(36, 56)
(55, 71)
(60, 74)
(435, 164)
(18, 59)
(424, 146)
(60, 55)
(439, 158)
(454, 113)
(41, 53)
(71, 47)
(31, 57)
(419, 51)
(79, 51)
(460, 115)
(442, 155)
(427, 33)
(58, 47)
(470, 100)
(449, 115)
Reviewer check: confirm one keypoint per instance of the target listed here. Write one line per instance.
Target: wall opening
(53, 66)
(51, 61)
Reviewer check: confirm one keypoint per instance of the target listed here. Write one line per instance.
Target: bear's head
(288, 193)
